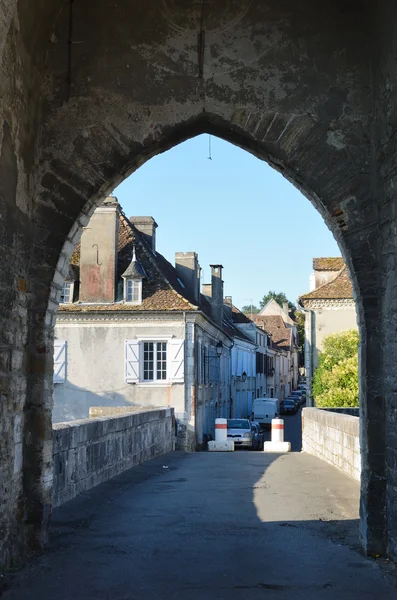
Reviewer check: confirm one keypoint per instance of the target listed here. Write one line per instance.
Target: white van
(264, 410)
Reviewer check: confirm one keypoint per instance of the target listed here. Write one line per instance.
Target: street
(214, 526)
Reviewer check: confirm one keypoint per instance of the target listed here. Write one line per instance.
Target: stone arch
(85, 106)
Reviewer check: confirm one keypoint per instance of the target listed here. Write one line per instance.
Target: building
(132, 329)
(329, 308)
(273, 309)
(261, 340)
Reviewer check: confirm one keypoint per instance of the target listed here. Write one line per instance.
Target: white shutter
(59, 361)
(131, 361)
(176, 362)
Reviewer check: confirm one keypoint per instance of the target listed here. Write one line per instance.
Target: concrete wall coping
(347, 423)
(74, 433)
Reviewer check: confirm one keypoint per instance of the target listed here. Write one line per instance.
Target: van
(264, 410)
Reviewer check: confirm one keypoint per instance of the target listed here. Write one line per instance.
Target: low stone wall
(333, 437)
(90, 451)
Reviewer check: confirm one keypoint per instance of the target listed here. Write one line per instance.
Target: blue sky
(234, 210)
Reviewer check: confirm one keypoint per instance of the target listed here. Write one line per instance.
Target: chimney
(188, 270)
(147, 227)
(98, 254)
(217, 293)
(207, 291)
(286, 308)
(227, 308)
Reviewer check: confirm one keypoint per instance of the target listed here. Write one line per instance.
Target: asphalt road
(210, 526)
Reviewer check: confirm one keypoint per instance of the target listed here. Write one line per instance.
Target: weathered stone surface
(91, 451)
(307, 90)
(334, 437)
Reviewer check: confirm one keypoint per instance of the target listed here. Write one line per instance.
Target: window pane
(132, 292)
(161, 360)
(135, 291)
(66, 292)
(148, 361)
(128, 293)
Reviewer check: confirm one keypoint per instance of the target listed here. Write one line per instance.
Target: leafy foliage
(335, 381)
(250, 308)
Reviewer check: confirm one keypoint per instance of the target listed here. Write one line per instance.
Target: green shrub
(335, 381)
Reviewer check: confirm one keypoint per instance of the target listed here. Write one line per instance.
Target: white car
(239, 431)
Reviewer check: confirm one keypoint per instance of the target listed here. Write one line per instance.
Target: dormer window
(133, 291)
(133, 276)
(67, 292)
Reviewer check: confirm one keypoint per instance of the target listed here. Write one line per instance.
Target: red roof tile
(328, 264)
(339, 287)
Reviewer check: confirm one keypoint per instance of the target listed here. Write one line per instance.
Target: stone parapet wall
(333, 437)
(91, 451)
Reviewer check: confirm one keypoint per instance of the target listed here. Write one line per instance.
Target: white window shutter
(59, 361)
(131, 361)
(176, 349)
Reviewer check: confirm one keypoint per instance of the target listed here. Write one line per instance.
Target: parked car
(259, 436)
(301, 397)
(239, 430)
(296, 399)
(289, 407)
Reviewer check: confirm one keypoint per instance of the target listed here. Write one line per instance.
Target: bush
(335, 381)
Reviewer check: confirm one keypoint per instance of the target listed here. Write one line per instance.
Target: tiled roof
(239, 317)
(328, 264)
(274, 325)
(339, 287)
(161, 290)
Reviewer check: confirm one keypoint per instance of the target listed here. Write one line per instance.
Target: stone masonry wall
(333, 437)
(90, 451)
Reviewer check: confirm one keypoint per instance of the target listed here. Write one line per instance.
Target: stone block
(227, 446)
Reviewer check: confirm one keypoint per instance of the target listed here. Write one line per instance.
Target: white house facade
(329, 308)
(134, 330)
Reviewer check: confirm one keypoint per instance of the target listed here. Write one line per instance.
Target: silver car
(239, 430)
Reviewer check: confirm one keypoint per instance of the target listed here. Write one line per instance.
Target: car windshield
(238, 424)
(288, 401)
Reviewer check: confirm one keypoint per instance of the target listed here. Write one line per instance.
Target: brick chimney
(147, 226)
(188, 270)
(98, 254)
(217, 293)
(286, 308)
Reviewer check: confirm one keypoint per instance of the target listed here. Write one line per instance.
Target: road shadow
(209, 525)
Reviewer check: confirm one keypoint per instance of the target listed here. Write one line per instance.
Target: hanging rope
(209, 148)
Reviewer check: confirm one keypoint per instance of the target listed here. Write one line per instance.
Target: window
(133, 288)
(67, 293)
(154, 361)
(158, 362)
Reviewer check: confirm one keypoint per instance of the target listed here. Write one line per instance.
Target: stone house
(132, 329)
(329, 308)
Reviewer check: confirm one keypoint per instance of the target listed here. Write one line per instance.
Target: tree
(335, 381)
(250, 308)
(279, 297)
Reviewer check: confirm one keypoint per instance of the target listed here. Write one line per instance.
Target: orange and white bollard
(277, 430)
(221, 443)
(277, 444)
(220, 430)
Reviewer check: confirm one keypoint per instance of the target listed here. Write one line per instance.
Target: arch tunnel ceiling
(125, 80)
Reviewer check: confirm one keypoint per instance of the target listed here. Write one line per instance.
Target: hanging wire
(209, 148)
